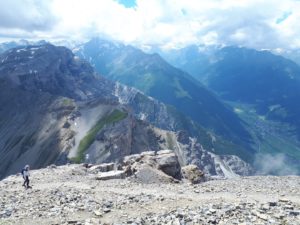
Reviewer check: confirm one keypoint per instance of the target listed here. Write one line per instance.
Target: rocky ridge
(59, 196)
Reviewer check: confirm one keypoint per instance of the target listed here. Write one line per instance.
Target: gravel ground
(72, 195)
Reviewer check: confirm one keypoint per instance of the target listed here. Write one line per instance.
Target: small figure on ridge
(25, 174)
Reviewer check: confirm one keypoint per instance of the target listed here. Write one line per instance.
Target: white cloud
(26, 15)
(171, 23)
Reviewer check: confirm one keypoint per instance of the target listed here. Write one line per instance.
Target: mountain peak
(52, 69)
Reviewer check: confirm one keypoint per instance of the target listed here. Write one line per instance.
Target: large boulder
(193, 174)
(153, 166)
(167, 162)
(149, 174)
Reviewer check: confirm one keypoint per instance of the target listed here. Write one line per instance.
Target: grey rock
(168, 163)
(105, 167)
(111, 175)
(295, 213)
(192, 173)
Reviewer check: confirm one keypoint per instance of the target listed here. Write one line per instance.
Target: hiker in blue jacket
(25, 174)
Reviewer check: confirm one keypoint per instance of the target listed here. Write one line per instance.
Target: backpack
(22, 172)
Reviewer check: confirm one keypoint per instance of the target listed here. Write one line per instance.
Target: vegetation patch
(180, 92)
(67, 101)
(89, 138)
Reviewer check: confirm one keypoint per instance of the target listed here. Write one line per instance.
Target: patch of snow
(76, 50)
(3, 60)
(237, 110)
(290, 73)
(106, 45)
(213, 137)
(274, 107)
(21, 50)
(142, 116)
(152, 99)
(34, 48)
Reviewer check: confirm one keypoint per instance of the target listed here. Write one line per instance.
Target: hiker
(25, 173)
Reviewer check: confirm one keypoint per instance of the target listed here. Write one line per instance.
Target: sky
(260, 24)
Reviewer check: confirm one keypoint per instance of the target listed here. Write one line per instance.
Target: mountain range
(56, 109)
(236, 101)
(155, 77)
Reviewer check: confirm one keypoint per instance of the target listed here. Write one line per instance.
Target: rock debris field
(72, 195)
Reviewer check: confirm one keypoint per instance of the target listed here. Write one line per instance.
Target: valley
(261, 88)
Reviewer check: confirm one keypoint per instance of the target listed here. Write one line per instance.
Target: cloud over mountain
(170, 23)
(22, 17)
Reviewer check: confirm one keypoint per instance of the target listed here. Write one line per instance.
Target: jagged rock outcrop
(153, 166)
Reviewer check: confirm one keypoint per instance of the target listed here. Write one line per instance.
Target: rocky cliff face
(55, 108)
(39, 89)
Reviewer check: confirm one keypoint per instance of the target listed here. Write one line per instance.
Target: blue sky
(128, 3)
(283, 17)
(259, 24)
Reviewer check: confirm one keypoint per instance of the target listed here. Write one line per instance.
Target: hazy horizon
(169, 24)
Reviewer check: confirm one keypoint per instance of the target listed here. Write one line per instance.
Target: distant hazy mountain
(292, 54)
(13, 44)
(192, 59)
(270, 82)
(8, 45)
(264, 89)
(155, 77)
